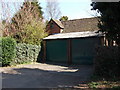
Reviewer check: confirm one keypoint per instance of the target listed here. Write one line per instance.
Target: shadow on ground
(27, 77)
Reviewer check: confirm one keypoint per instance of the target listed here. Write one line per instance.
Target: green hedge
(107, 63)
(26, 53)
(12, 53)
(8, 50)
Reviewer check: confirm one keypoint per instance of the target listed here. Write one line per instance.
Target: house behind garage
(76, 25)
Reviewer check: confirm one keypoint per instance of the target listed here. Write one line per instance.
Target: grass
(100, 82)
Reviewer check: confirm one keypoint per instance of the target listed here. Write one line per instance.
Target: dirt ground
(39, 75)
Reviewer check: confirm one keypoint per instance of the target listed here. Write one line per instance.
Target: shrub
(31, 33)
(8, 50)
(107, 62)
(26, 53)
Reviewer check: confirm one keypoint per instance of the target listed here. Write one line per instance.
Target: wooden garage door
(56, 51)
(83, 50)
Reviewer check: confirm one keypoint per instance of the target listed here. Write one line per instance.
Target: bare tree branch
(7, 10)
(52, 9)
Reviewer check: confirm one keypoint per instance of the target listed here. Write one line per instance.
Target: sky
(74, 9)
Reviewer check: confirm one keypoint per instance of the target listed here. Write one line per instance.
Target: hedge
(107, 63)
(26, 53)
(8, 50)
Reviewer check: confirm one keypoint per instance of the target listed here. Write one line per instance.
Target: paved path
(44, 75)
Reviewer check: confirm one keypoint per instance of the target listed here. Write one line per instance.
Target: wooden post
(102, 41)
(69, 51)
(44, 51)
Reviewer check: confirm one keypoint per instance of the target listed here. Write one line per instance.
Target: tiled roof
(74, 35)
(58, 23)
(79, 25)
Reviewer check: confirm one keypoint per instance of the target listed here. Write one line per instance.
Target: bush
(107, 62)
(31, 33)
(8, 50)
(26, 53)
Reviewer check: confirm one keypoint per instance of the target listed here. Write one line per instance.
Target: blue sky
(74, 9)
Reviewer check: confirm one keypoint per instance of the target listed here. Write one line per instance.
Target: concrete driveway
(39, 75)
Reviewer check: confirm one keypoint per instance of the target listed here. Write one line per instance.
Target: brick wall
(53, 28)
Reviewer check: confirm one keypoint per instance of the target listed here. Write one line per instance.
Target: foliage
(110, 19)
(4, 26)
(116, 87)
(27, 25)
(105, 84)
(63, 18)
(26, 53)
(28, 11)
(32, 33)
(107, 62)
(93, 84)
(25, 16)
(35, 8)
(8, 50)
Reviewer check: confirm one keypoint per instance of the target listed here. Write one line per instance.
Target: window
(51, 25)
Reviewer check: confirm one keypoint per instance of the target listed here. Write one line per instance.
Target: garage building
(71, 48)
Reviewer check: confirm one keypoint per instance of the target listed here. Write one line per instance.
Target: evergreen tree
(29, 15)
(110, 19)
(28, 11)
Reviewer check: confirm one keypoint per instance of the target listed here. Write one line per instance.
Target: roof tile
(79, 25)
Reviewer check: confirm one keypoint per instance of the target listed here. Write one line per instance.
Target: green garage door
(56, 51)
(83, 50)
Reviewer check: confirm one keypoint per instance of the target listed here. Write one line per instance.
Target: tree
(32, 33)
(52, 10)
(28, 11)
(109, 20)
(7, 9)
(29, 16)
(63, 18)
